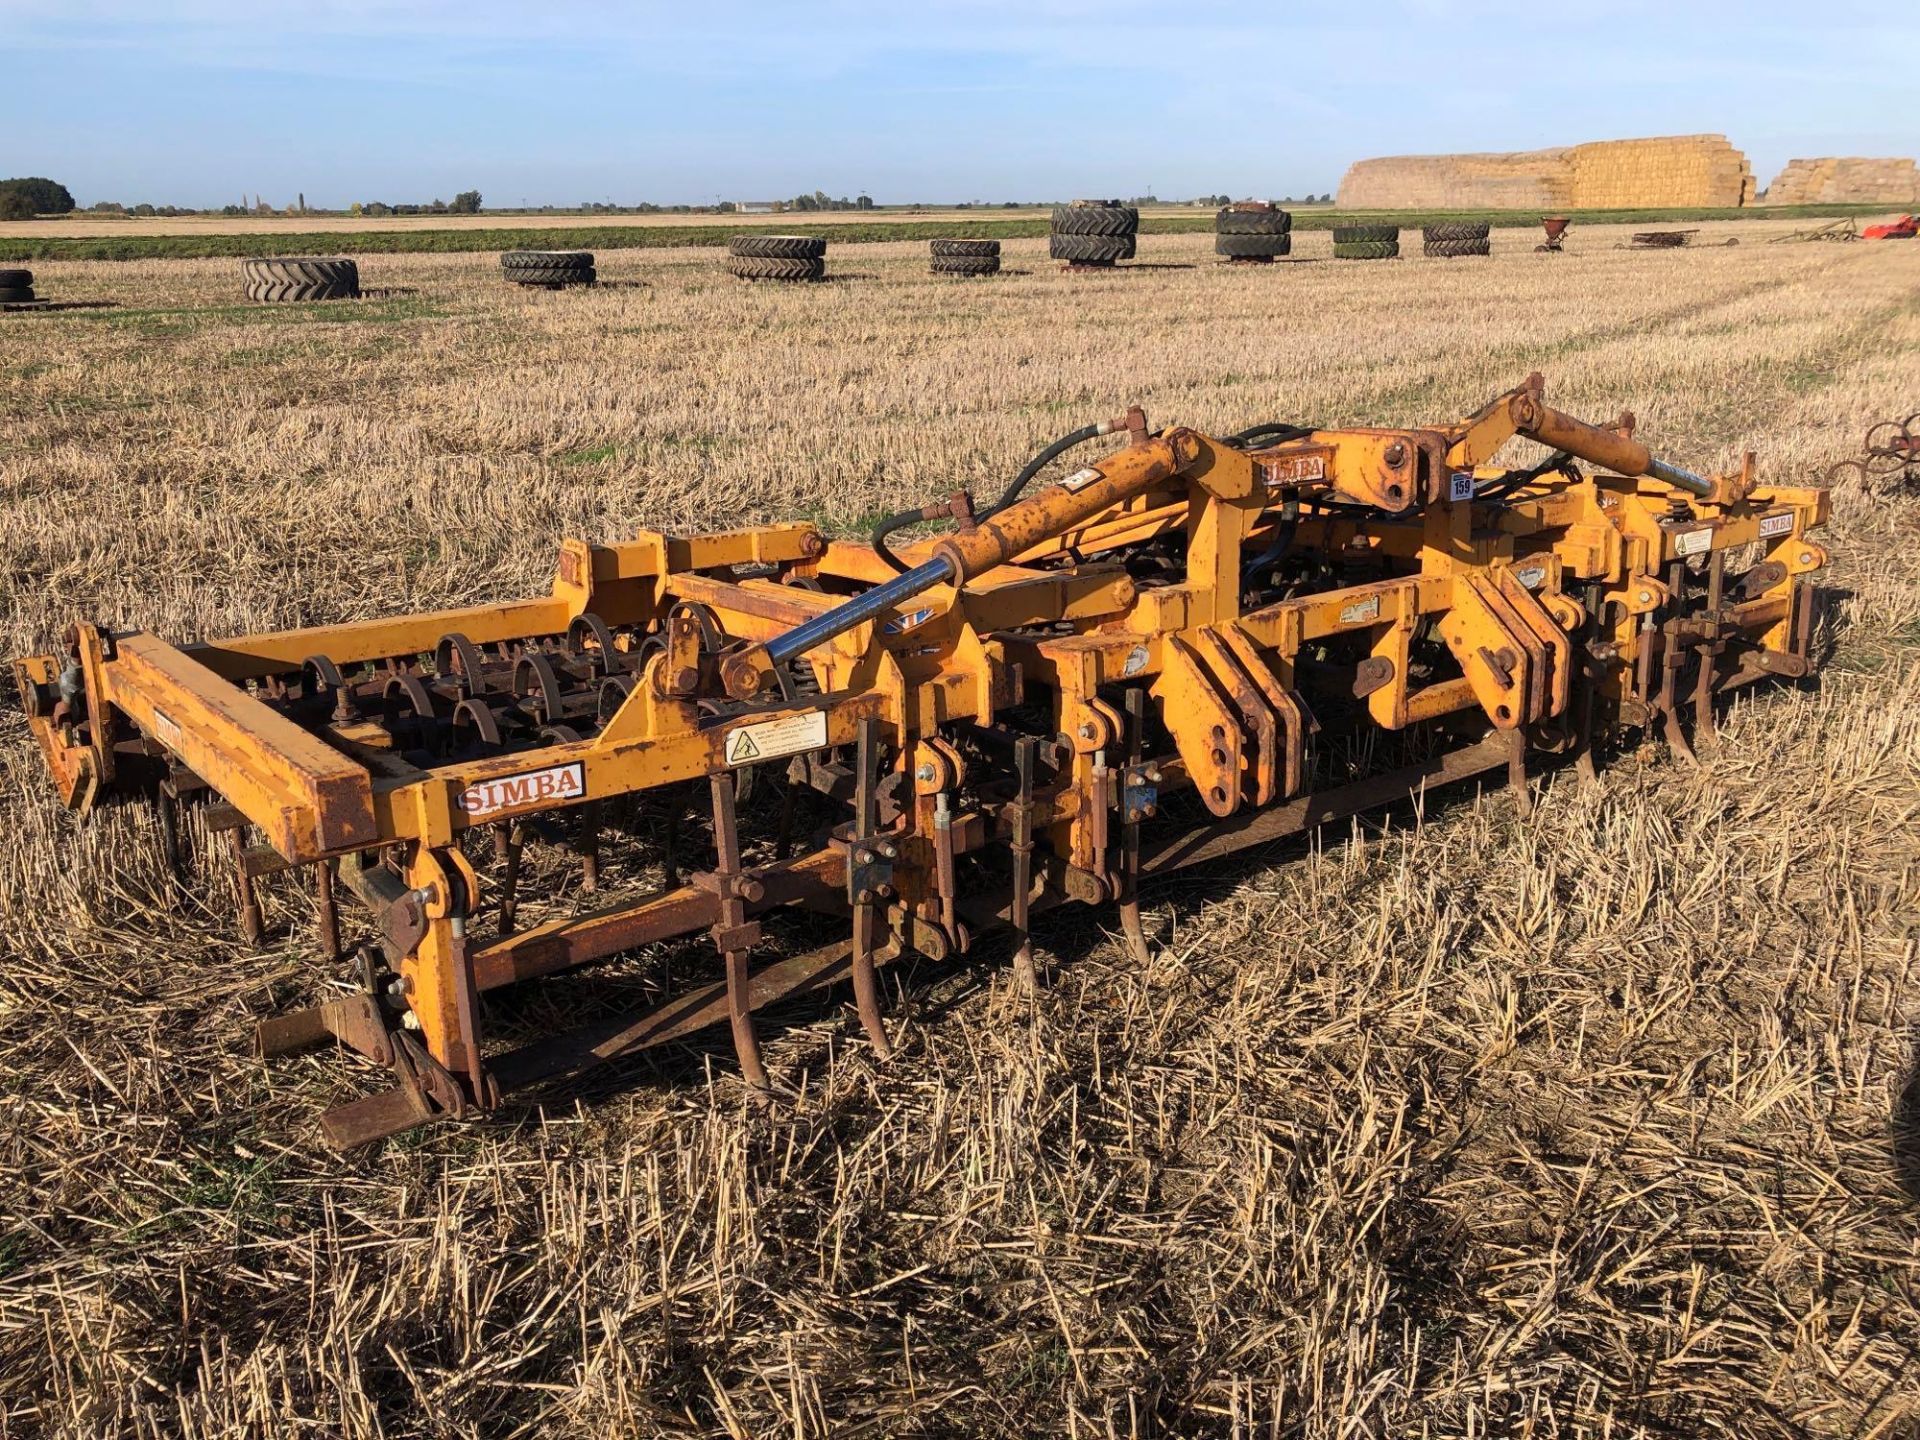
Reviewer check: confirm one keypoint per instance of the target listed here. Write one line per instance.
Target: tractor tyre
(15, 279)
(1449, 249)
(1456, 230)
(1366, 250)
(1097, 218)
(1090, 249)
(1252, 247)
(956, 248)
(287, 292)
(301, 277)
(16, 295)
(512, 261)
(777, 247)
(966, 264)
(776, 267)
(1265, 220)
(1365, 234)
(554, 276)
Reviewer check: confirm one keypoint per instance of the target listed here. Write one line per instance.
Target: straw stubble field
(1454, 1125)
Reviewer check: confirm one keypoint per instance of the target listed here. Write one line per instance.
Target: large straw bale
(1606, 174)
(1846, 179)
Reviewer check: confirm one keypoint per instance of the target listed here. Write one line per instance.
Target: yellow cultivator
(1187, 645)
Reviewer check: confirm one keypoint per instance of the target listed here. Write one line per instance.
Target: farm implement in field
(1186, 646)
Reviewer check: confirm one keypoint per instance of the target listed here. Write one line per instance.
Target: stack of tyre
(549, 269)
(1446, 242)
(965, 257)
(16, 287)
(277, 279)
(1093, 232)
(1366, 242)
(1252, 231)
(777, 257)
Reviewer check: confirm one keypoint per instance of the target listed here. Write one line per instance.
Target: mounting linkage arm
(1618, 452)
(961, 557)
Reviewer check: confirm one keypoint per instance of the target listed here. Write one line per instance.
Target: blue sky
(557, 101)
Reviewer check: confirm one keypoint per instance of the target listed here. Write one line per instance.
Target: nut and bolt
(926, 773)
(1087, 732)
(1396, 455)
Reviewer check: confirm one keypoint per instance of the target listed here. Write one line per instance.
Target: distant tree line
(31, 195)
(467, 202)
(818, 200)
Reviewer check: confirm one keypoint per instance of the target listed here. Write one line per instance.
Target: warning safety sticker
(1692, 542)
(769, 739)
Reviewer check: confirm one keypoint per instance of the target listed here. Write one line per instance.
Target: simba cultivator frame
(1187, 646)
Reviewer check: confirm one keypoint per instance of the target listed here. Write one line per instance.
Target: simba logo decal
(1292, 469)
(514, 792)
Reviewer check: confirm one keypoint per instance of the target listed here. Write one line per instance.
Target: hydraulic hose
(1012, 493)
(1039, 462)
(1274, 430)
(885, 528)
(1514, 480)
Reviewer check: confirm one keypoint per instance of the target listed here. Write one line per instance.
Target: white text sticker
(1531, 576)
(167, 728)
(1460, 485)
(553, 786)
(1772, 525)
(1692, 542)
(1080, 479)
(788, 735)
(1361, 611)
(1136, 661)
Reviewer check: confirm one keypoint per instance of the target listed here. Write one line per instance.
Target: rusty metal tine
(866, 808)
(589, 846)
(866, 986)
(516, 843)
(1517, 771)
(676, 813)
(169, 807)
(1024, 750)
(252, 928)
(1130, 926)
(1705, 728)
(1670, 662)
(726, 843)
(328, 907)
(789, 799)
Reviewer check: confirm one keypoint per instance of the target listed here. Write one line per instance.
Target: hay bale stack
(1846, 180)
(1522, 180)
(1606, 174)
(1669, 170)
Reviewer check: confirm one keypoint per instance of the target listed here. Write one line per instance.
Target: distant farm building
(1605, 175)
